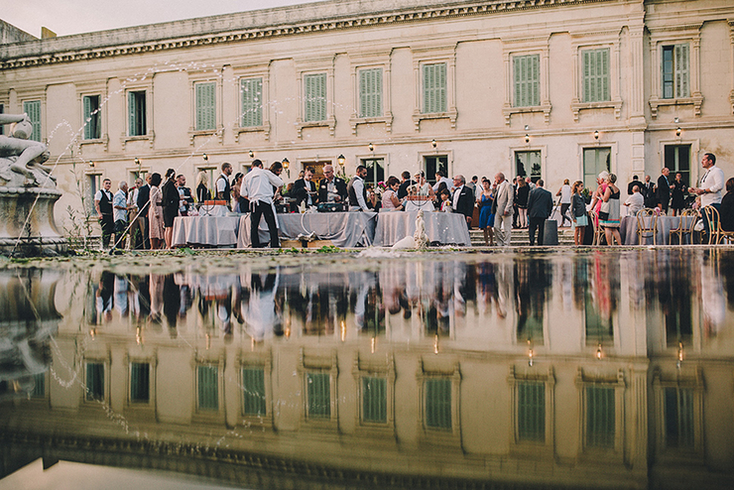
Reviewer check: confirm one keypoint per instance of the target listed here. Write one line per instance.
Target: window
(139, 382)
(600, 416)
(596, 75)
(678, 159)
(526, 77)
(598, 323)
(252, 109)
(39, 385)
(438, 403)
(432, 164)
(94, 183)
(374, 399)
(33, 109)
(315, 103)
(675, 71)
(136, 113)
(679, 418)
(596, 160)
(206, 106)
(527, 163)
(95, 381)
(531, 411)
(92, 119)
(319, 395)
(208, 387)
(375, 170)
(253, 391)
(370, 92)
(434, 88)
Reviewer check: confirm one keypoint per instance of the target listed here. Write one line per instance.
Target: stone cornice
(272, 24)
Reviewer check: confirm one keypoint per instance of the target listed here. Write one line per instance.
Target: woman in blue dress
(486, 218)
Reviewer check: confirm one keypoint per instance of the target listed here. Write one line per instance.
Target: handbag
(604, 210)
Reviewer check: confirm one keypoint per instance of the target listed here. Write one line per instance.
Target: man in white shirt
(357, 192)
(635, 202)
(259, 186)
(711, 183)
(119, 212)
(441, 177)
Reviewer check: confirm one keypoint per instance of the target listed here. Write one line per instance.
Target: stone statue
(21, 159)
(420, 237)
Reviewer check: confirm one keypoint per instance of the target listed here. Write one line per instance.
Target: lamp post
(286, 167)
(340, 160)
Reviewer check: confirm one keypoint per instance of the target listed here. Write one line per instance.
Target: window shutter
(88, 123)
(251, 89)
(596, 75)
(434, 88)
(206, 106)
(33, 109)
(526, 72)
(315, 103)
(208, 384)
(681, 70)
(370, 93)
(132, 116)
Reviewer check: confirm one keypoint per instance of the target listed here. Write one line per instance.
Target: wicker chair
(647, 228)
(685, 227)
(598, 230)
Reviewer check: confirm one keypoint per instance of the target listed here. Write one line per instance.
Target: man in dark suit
(635, 182)
(648, 192)
(407, 182)
(663, 191)
(304, 190)
(540, 206)
(331, 187)
(463, 199)
(143, 205)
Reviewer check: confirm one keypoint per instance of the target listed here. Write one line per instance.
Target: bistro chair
(647, 225)
(685, 227)
(713, 226)
(598, 230)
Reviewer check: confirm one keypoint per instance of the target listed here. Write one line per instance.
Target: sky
(65, 17)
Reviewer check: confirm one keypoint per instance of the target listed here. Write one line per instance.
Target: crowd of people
(144, 213)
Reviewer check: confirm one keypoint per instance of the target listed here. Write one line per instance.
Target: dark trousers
(108, 228)
(146, 233)
(261, 209)
(564, 210)
(536, 224)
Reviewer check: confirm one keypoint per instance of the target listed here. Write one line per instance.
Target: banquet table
(443, 228)
(345, 229)
(205, 231)
(628, 230)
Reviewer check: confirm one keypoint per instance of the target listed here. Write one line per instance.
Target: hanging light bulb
(373, 341)
(343, 328)
(531, 354)
(435, 344)
(680, 354)
(599, 353)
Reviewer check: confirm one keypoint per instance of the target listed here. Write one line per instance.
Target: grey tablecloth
(343, 229)
(444, 228)
(205, 231)
(628, 230)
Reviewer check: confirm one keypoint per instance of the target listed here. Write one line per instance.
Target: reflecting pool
(596, 369)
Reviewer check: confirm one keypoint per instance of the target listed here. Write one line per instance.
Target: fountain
(27, 194)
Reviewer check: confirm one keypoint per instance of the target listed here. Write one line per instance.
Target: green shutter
(87, 117)
(434, 88)
(131, 114)
(206, 106)
(139, 382)
(253, 390)
(208, 387)
(33, 109)
(315, 103)
(252, 108)
(318, 390)
(526, 73)
(595, 75)
(370, 93)
(39, 385)
(681, 70)
(374, 399)
(92, 128)
(438, 403)
(600, 416)
(531, 411)
(95, 381)
(679, 421)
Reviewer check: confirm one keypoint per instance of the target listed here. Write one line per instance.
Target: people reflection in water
(532, 285)
(104, 298)
(171, 296)
(260, 308)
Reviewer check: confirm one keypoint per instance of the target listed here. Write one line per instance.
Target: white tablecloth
(205, 231)
(628, 230)
(426, 206)
(347, 230)
(444, 228)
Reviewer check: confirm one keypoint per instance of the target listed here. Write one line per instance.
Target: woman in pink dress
(390, 201)
(155, 213)
(596, 200)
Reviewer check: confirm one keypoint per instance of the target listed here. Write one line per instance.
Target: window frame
(37, 131)
(366, 367)
(425, 56)
(381, 61)
(307, 68)
(589, 42)
(513, 49)
(615, 381)
(90, 114)
(149, 135)
(94, 88)
(443, 369)
(547, 378)
(319, 363)
(105, 362)
(658, 41)
(262, 72)
(261, 361)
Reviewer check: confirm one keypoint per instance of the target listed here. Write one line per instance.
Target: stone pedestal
(27, 225)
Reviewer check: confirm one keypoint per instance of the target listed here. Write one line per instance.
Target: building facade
(551, 89)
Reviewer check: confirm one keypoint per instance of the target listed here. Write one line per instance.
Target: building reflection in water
(559, 368)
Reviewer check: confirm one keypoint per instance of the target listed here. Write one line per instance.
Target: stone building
(547, 88)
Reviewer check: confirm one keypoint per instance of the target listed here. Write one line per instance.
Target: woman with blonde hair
(202, 187)
(609, 211)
